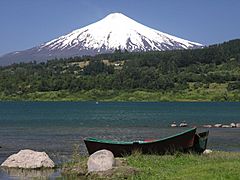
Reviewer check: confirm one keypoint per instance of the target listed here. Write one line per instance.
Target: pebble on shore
(207, 151)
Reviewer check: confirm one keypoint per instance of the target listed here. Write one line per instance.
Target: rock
(120, 171)
(207, 151)
(225, 126)
(102, 160)
(207, 126)
(218, 125)
(183, 124)
(238, 125)
(233, 125)
(173, 124)
(28, 159)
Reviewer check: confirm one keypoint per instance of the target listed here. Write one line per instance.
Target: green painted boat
(200, 142)
(183, 142)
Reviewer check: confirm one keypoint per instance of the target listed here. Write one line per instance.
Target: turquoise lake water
(56, 127)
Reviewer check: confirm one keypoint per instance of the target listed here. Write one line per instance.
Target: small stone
(183, 124)
(28, 159)
(207, 151)
(102, 160)
(238, 125)
(226, 126)
(173, 124)
(207, 126)
(233, 125)
(218, 125)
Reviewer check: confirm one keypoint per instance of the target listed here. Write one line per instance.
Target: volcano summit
(115, 31)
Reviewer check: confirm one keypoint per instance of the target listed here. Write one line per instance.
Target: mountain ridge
(115, 31)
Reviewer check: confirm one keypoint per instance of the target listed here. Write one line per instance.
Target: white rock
(225, 126)
(218, 125)
(28, 159)
(101, 161)
(207, 126)
(233, 125)
(207, 151)
(238, 125)
(183, 124)
(173, 125)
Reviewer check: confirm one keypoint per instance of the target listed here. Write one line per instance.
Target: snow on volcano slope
(115, 31)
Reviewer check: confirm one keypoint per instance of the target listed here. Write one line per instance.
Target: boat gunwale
(139, 142)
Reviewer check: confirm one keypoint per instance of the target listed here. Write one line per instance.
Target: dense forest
(208, 74)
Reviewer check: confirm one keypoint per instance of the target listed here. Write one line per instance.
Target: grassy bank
(213, 92)
(218, 165)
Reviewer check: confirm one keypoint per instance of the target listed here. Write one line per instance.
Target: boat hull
(180, 142)
(200, 142)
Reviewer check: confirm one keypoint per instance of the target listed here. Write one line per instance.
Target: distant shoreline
(124, 96)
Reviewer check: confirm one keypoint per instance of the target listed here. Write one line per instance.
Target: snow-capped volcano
(115, 31)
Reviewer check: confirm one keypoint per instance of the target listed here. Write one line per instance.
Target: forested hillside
(208, 74)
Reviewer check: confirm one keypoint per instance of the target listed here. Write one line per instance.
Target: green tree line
(152, 71)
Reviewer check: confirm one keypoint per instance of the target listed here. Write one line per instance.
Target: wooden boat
(200, 142)
(180, 142)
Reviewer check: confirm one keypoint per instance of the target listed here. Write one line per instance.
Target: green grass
(214, 166)
(202, 92)
(218, 165)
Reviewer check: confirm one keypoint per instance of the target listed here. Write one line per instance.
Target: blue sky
(27, 23)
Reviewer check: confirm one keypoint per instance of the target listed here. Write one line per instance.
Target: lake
(58, 127)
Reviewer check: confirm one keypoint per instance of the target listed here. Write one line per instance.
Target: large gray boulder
(28, 159)
(102, 160)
